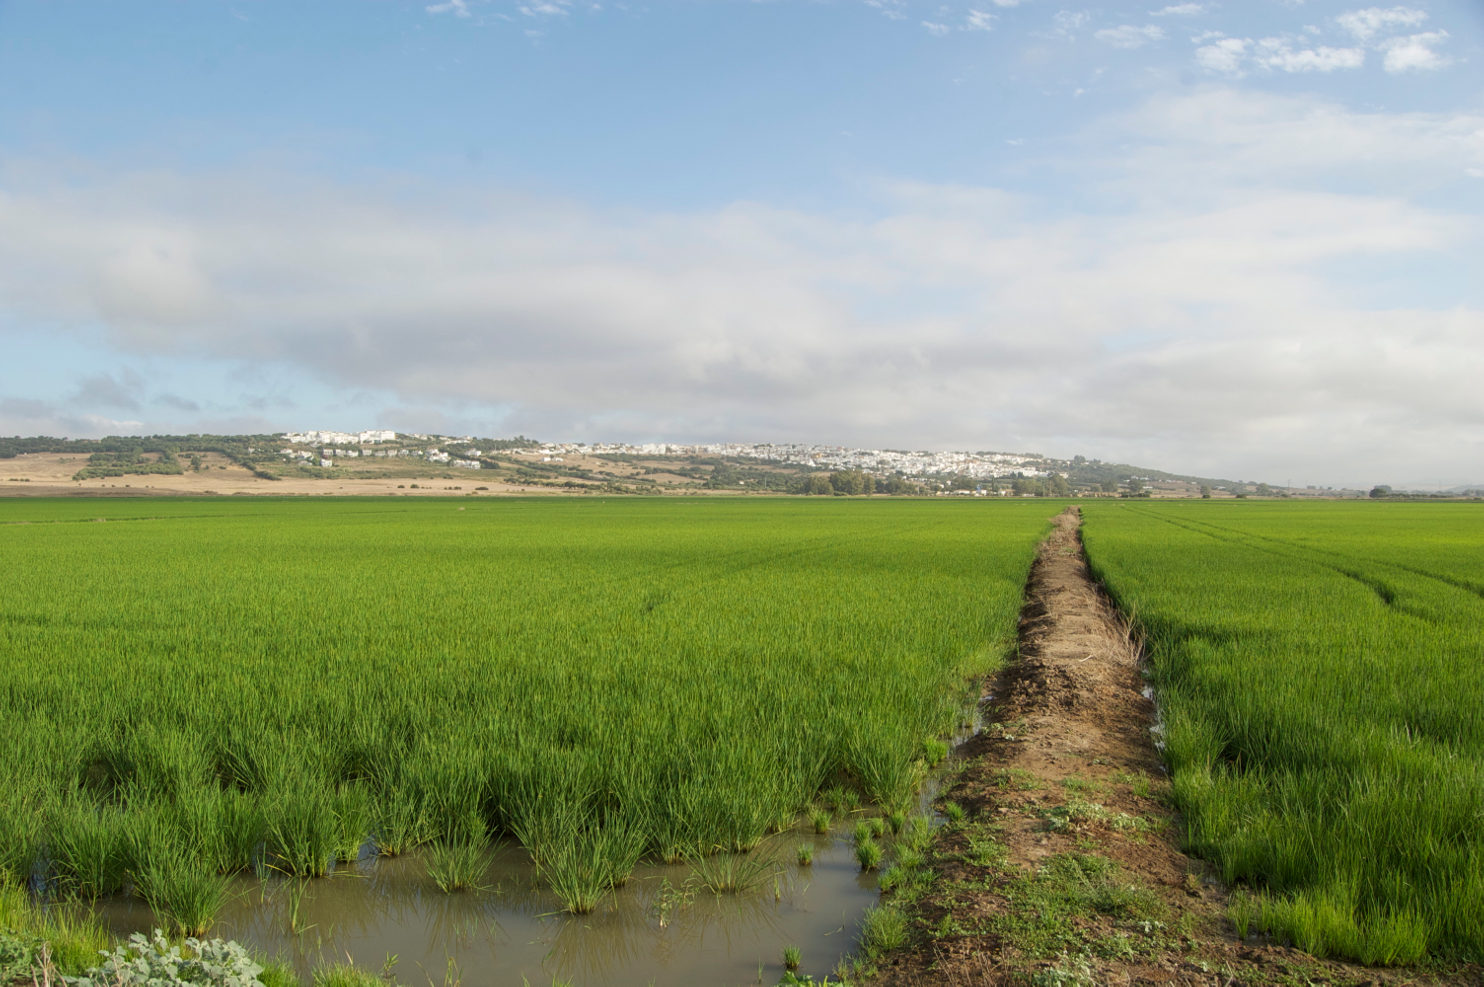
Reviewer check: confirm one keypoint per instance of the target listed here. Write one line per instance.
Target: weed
(883, 929)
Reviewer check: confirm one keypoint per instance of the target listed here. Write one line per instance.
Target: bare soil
(1065, 780)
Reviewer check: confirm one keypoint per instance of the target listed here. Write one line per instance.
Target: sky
(1234, 239)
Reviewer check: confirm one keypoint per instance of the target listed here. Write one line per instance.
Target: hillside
(385, 462)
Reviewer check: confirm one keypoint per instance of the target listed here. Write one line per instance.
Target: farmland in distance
(196, 688)
(1318, 671)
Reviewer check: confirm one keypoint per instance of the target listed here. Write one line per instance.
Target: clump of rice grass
(953, 812)
(895, 820)
(934, 751)
(301, 831)
(352, 823)
(726, 872)
(400, 824)
(579, 857)
(868, 854)
(821, 819)
(883, 929)
(346, 975)
(458, 866)
(90, 848)
(185, 893)
(806, 854)
(792, 957)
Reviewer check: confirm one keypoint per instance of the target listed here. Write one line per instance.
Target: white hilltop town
(326, 447)
(979, 465)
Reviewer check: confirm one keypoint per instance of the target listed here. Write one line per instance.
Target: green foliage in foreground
(243, 683)
(1318, 669)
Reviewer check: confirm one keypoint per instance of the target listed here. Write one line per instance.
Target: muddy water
(660, 928)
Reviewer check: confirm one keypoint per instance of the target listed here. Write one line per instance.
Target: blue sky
(1241, 239)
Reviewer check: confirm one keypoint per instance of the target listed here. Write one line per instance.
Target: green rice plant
(916, 833)
(883, 929)
(89, 848)
(728, 872)
(896, 820)
(301, 830)
(457, 866)
(792, 956)
(20, 839)
(634, 645)
(1321, 709)
(352, 813)
(953, 812)
(345, 975)
(868, 854)
(820, 819)
(805, 854)
(400, 824)
(184, 893)
(580, 858)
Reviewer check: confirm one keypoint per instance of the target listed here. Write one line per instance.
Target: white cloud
(891, 9)
(1279, 54)
(1365, 24)
(1066, 23)
(1220, 283)
(935, 29)
(546, 8)
(1181, 10)
(1224, 57)
(1414, 53)
(1130, 36)
(459, 8)
(1234, 57)
(978, 20)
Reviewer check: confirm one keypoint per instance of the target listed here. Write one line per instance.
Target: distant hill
(390, 462)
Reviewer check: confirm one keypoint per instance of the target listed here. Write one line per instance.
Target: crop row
(1317, 666)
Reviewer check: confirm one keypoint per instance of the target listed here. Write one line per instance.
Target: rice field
(193, 689)
(1318, 668)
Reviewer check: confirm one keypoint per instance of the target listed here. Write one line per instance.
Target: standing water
(661, 927)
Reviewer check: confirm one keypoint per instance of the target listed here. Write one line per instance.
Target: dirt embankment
(1066, 865)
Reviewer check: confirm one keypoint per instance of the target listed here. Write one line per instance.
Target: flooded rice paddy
(661, 927)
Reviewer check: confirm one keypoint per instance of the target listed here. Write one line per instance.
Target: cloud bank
(1222, 319)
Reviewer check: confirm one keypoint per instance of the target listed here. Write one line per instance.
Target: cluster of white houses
(882, 462)
(330, 446)
(367, 437)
